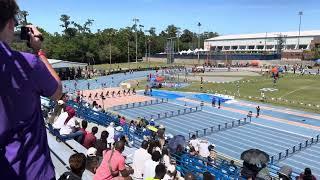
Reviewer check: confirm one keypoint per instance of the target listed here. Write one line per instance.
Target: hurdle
(178, 112)
(139, 104)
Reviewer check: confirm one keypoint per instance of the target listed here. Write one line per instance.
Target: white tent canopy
(56, 64)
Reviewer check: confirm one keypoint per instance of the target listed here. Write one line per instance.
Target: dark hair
(307, 172)
(165, 151)
(92, 164)
(104, 135)
(8, 9)
(156, 156)
(94, 130)
(160, 170)
(84, 124)
(77, 163)
(208, 176)
(193, 136)
(144, 144)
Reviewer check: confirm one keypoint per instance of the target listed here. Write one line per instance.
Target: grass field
(294, 91)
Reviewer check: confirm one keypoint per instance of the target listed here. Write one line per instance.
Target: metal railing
(140, 104)
(178, 112)
(220, 127)
(295, 149)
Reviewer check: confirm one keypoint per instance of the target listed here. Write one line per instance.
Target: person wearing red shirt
(90, 138)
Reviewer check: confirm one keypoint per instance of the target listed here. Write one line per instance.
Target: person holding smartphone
(24, 77)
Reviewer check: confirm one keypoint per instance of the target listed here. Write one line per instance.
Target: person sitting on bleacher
(77, 163)
(113, 164)
(61, 119)
(84, 125)
(102, 143)
(204, 149)
(58, 109)
(90, 138)
(92, 160)
(213, 154)
(194, 142)
(122, 121)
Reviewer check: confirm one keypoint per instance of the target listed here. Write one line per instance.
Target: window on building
(260, 47)
(226, 47)
(251, 47)
(234, 47)
(303, 46)
(242, 47)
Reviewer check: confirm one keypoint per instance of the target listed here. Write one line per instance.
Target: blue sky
(222, 16)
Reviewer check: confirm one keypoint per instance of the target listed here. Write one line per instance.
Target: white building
(261, 41)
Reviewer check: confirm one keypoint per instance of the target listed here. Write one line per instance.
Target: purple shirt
(24, 150)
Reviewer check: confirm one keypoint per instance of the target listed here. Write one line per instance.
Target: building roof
(65, 64)
(264, 35)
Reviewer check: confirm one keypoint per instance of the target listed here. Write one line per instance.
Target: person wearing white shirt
(110, 138)
(60, 121)
(203, 148)
(150, 165)
(140, 156)
(194, 142)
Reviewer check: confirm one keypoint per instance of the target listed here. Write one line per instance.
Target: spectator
(307, 175)
(150, 165)
(194, 142)
(213, 154)
(171, 173)
(118, 133)
(160, 171)
(61, 119)
(58, 109)
(24, 77)
(113, 164)
(122, 121)
(84, 125)
(189, 176)
(285, 173)
(165, 157)
(161, 135)
(77, 163)
(204, 149)
(208, 176)
(68, 130)
(110, 138)
(90, 139)
(92, 160)
(102, 143)
(140, 156)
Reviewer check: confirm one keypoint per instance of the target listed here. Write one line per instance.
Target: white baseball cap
(91, 152)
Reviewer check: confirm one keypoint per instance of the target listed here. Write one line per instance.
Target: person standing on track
(219, 103)
(258, 111)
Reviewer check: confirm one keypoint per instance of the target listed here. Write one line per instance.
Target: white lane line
(258, 124)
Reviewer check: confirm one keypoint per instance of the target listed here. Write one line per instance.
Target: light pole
(110, 56)
(136, 20)
(199, 25)
(178, 43)
(300, 15)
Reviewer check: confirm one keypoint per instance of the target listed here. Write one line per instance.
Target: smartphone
(24, 33)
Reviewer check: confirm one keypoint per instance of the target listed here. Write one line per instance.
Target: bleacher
(230, 141)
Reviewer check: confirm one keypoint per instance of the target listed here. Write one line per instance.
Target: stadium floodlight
(199, 25)
(300, 15)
